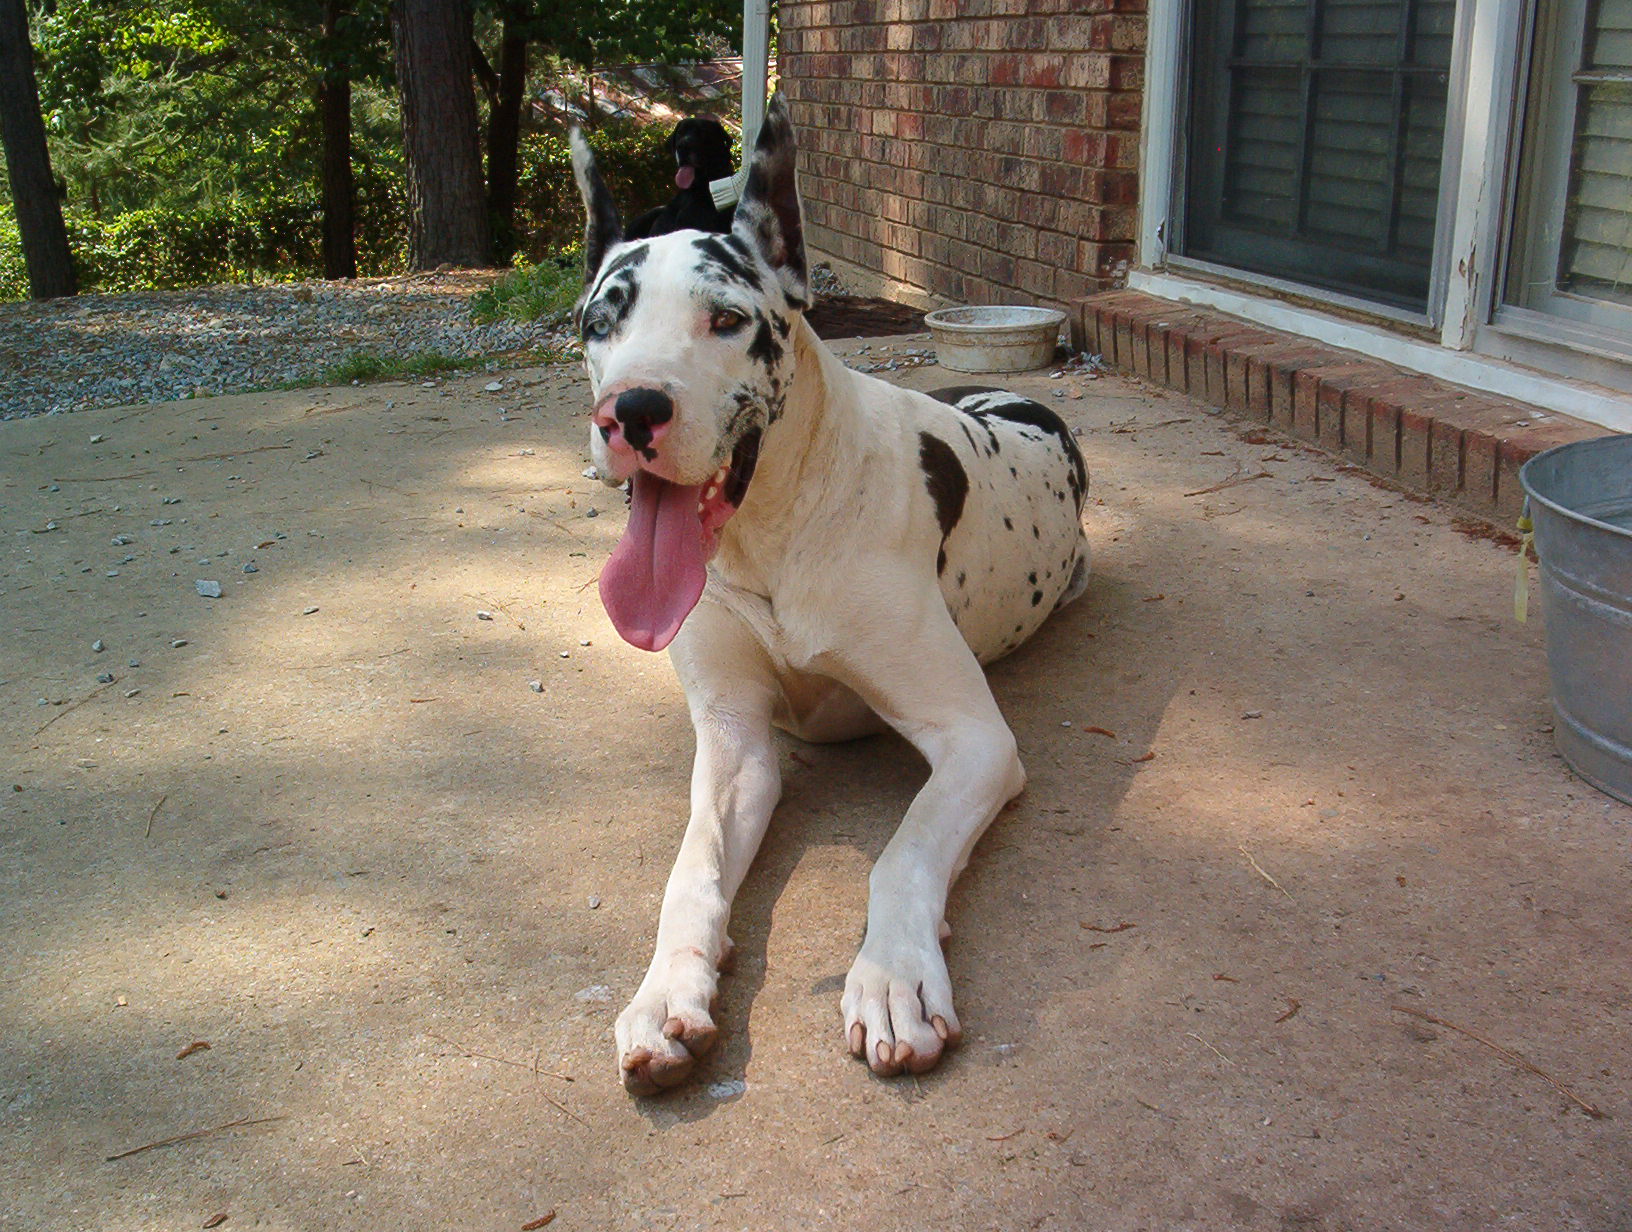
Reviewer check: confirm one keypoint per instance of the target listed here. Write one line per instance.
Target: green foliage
(543, 292)
(235, 240)
(635, 162)
(588, 32)
(187, 140)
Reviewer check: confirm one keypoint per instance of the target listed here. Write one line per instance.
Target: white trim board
(1579, 400)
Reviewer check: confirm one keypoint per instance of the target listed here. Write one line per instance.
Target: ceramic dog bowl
(996, 338)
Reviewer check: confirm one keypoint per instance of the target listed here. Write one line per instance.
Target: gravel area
(117, 350)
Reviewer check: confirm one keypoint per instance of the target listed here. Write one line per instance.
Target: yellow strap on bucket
(1521, 584)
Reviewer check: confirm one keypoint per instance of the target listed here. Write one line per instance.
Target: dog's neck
(784, 503)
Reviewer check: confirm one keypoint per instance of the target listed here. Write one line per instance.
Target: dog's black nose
(639, 411)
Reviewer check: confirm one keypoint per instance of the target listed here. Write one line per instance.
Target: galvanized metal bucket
(1580, 501)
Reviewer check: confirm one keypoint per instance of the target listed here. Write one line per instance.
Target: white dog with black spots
(822, 552)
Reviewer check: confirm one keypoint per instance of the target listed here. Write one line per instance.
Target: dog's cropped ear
(768, 214)
(602, 230)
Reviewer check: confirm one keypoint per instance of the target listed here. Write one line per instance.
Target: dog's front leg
(897, 1000)
(735, 784)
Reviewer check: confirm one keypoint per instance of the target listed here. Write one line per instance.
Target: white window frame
(1456, 340)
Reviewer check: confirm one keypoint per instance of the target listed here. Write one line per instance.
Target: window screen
(1596, 256)
(1315, 134)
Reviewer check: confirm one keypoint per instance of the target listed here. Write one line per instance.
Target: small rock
(730, 1088)
(484, 615)
(97, 646)
(98, 439)
(583, 641)
(594, 901)
(105, 678)
(251, 567)
(493, 387)
(178, 643)
(596, 993)
(566, 654)
(537, 686)
(309, 611)
(134, 663)
(132, 692)
(592, 512)
(120, 541)
(1253, 714)
(207, 589)
(589, 472)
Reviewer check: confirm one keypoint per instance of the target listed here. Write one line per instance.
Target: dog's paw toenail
(637, 1058)
(939, 1024)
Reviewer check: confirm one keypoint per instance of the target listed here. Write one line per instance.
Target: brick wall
(969, 151)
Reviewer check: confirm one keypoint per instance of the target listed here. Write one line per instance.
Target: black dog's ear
(602, 230)
(768, 214)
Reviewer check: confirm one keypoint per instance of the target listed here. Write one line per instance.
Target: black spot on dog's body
(1036, 597)
(945, 478)
(1008, 523)
(1025, 412)
(947, 483)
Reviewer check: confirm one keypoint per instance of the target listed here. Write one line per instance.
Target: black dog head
(702, 145)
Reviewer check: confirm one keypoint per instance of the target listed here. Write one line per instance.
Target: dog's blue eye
(724, 321)
(600, 327)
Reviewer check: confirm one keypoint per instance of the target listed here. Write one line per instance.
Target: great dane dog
(822, 552)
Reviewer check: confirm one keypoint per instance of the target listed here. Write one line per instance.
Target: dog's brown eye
(724, 321)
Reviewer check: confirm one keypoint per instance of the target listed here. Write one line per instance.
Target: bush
(242, 240)
(543, 292)
(229, 241)
(634, 160)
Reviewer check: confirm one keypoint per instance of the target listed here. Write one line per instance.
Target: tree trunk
(447, 210)
(33, 190)
(504, 139)
(334, 111)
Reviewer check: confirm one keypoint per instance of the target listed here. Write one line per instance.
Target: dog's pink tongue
(658, 570)
(683, 178)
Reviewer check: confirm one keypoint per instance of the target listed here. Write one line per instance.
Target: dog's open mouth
(658, 570)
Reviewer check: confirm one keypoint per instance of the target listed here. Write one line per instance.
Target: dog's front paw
(663, 1033)
(898, 1005)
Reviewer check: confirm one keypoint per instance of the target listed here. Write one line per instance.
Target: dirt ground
(1292, 799)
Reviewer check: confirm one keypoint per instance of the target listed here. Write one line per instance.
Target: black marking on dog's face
(727, 260)
(612, 296)
(947, 483)
(765, 349)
